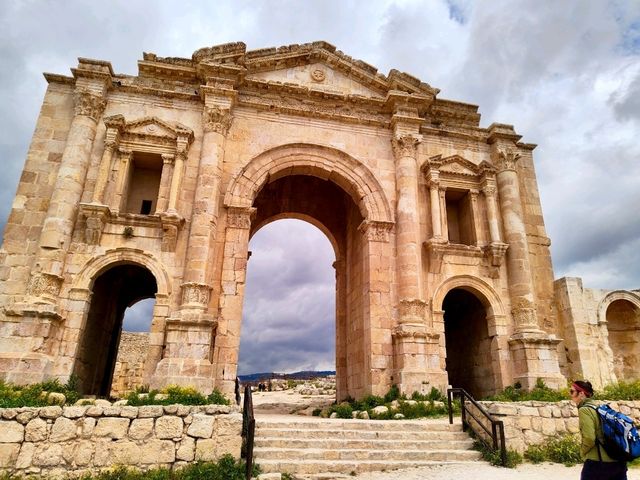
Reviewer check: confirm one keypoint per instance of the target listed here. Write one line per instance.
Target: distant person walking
(597, 464)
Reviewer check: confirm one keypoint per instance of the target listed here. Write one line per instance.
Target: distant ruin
(150, 186)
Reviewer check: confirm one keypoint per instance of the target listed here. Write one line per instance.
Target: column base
(417, 359)
(535, 356)
(25, 368)
(185, 372)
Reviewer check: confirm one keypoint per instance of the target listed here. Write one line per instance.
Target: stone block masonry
(54, 441)
(533, 423)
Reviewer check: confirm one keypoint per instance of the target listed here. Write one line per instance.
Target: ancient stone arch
(619, 318)
(308, 159)
(497, 322)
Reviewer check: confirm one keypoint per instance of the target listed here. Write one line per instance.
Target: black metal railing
(248, 431)
(495, 433)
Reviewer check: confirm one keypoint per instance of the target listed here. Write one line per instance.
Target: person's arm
(587, 429)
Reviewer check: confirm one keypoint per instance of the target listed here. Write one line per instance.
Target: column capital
(125, 154)
(376, 231)
(195, 294)
(87, 103)
(240, 217)
(216, 119)
(433, 177)
(168, 158)
(505, 158)
(406, 145)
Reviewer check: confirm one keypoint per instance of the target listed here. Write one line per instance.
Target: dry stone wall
(129, 369)
(76, 439)
(532, 423)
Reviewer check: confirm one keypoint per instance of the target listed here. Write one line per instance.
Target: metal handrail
(497, 426)
(248, 432)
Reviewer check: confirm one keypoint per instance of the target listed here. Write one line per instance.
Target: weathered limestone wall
(595, 321)
(532, 423)
(60, 440)
(129, 370)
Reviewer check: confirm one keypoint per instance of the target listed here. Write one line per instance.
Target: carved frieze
(89, 104)
(412, 311)
(524, 315)
(240, 217)
(376, 231)
(95, 218)
(195, 294)
(406, 145)
(216, 119)
(42, 284)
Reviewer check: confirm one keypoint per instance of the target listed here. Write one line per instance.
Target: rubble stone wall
(532, 423)
(59, 440)
(129, 369)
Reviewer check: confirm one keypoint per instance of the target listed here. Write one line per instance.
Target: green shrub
(35, 395)
(433, 395)
(176, 395)
(620, 391)
(392, 394)
(564, 449)
(316, 412)
(494, 457)
(343, 410)
(541, 392)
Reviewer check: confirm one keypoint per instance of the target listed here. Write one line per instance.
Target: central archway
(339, 195)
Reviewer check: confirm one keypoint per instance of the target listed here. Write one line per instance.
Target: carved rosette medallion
(89, 104)
(240, 217)
(412, 311)
(216, 119)
(507, 159)
(405, 145)
(376, 231)
(45, 285)
(318, 75)
(195, 294)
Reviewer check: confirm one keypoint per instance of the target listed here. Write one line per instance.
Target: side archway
(101, 292)
(619, 315)
(470, 316)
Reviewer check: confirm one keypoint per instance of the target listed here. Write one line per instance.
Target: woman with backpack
(597, 464)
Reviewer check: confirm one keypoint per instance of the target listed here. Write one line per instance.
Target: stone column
(489, 191)
(475, 213)
(165, 182)
(120, 196)
(534, 352)
(176, 180)
(443, 213)
(112, 137)
(434, 195)
(63, 206)
(341, 330)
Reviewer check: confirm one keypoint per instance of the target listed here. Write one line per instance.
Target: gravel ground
(483, 471)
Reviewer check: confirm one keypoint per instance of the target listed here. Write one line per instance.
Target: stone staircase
(311, 445)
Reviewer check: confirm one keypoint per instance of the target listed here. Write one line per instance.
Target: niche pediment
(454, 165)
(153, 126)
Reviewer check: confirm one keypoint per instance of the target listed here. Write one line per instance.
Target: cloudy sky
(566, 74)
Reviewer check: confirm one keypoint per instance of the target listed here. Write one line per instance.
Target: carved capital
(489, 190)
(168, 158)
(45, 285)
(436, 248)
(240, 217)
(506, 159)
(216, 119)
(376, 231)
(89, 104)
(406, 145)
(195, 294)
(115, 122)
(171, 224)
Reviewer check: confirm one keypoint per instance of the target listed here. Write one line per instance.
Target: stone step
(358, 443)
(275, 432)
(395, 455)
(349, 467)
(378, 425)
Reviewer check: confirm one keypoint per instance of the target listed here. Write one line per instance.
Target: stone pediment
(153, 126)
(454, 165)
(319, 76)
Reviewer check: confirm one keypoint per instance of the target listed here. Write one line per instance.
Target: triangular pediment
(319, 76)
(155, 127)
(454, 165)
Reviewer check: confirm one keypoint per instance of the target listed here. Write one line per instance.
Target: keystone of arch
(317, 160)
(123, 256)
